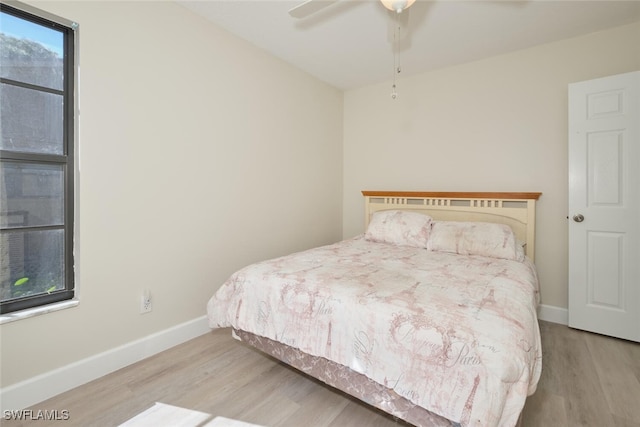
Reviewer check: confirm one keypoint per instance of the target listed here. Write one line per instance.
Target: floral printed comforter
(455, 334)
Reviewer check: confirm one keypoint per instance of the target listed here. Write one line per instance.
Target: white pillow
(399, 228)
(475, 238)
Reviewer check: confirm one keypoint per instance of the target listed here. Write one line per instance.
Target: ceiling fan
(310, 7)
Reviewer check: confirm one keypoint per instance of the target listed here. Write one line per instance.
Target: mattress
(454, 334)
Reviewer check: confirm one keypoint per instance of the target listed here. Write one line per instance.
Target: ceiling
(349, 44)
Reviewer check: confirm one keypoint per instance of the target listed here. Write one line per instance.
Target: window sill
(37, 311)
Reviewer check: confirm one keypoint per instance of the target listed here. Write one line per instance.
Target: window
(37, 111)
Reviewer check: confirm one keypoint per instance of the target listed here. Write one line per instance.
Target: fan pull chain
(396, 57)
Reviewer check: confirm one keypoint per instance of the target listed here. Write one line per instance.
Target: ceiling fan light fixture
(397, 5)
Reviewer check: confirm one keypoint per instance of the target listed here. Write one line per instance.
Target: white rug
(160, 415)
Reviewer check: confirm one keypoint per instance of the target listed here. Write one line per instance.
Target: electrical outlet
(145, 302)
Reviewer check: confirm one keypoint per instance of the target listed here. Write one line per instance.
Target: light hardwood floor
(587, 380)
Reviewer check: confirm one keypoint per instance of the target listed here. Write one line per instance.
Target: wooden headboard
(517, 210)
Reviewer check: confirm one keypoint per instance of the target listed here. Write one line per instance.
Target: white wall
(498, 124)
(188, 136)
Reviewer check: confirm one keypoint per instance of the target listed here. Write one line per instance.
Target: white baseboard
(42, 387)
(551, 313)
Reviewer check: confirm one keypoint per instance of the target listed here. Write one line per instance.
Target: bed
(429, 315)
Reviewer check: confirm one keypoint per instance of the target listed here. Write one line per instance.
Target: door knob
(578, 218)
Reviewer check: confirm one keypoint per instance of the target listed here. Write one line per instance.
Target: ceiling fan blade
(309, 7)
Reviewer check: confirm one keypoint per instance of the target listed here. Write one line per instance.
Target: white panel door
(604, 205)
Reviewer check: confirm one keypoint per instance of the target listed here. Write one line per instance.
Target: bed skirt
(346, 380)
